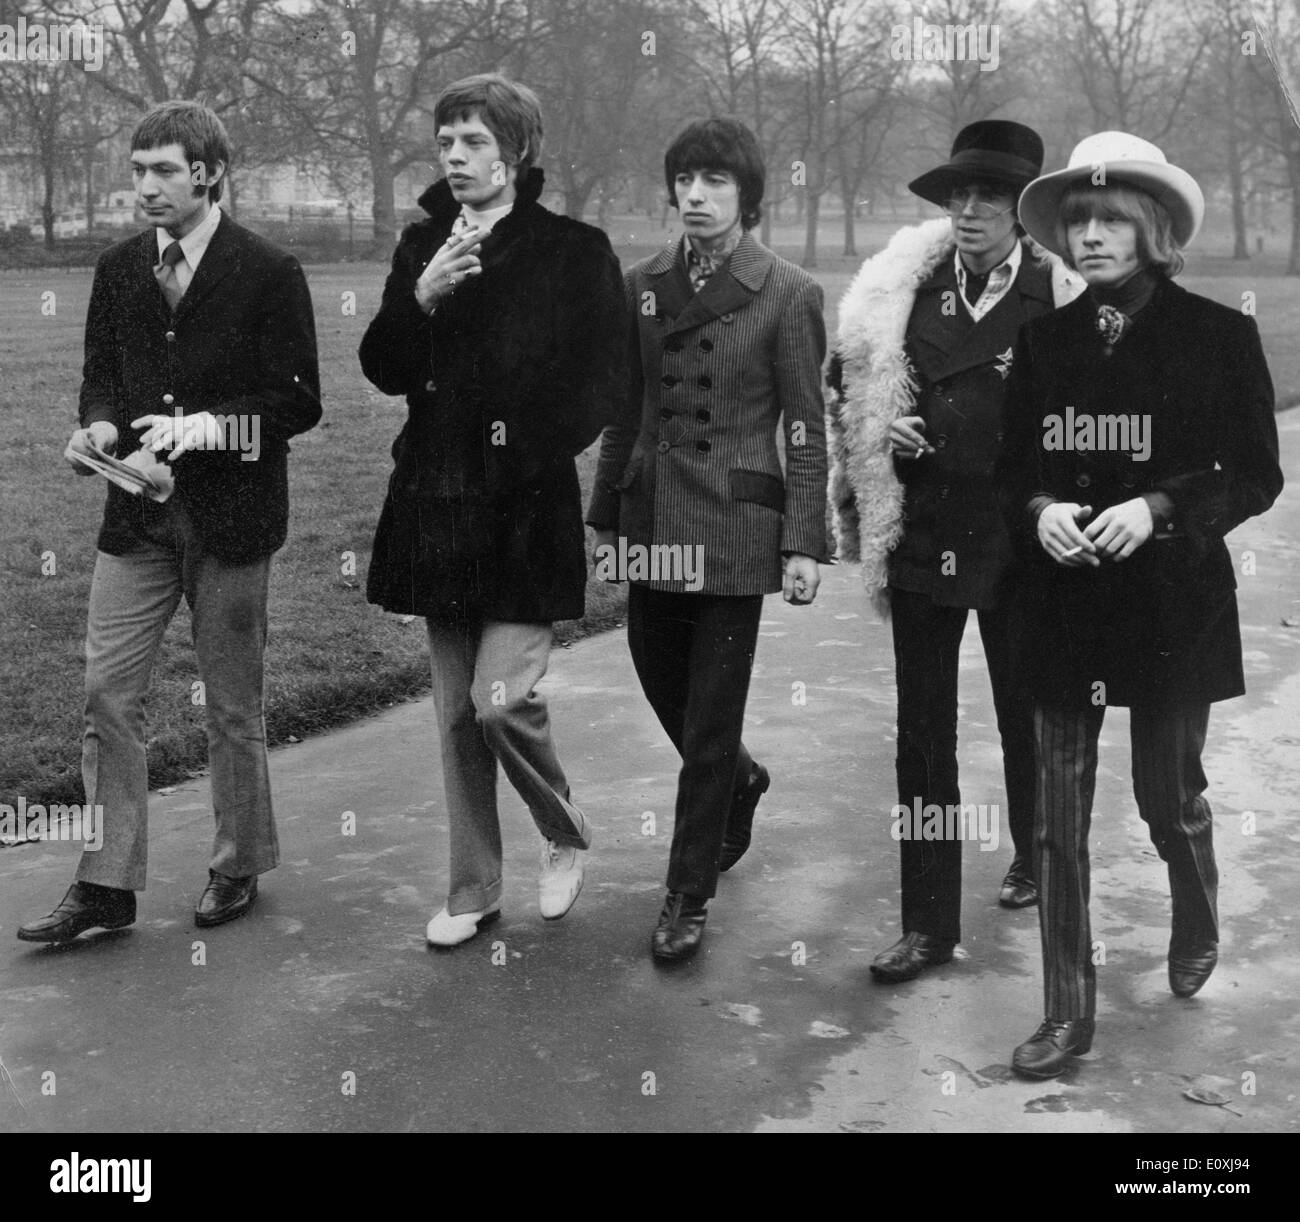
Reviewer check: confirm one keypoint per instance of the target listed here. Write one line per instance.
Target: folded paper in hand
(138, 473)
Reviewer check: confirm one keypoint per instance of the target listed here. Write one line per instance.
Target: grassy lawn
(331, 655)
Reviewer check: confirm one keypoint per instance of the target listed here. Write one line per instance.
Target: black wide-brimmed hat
(994, 149)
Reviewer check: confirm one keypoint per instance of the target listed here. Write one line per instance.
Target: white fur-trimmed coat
(879, 386)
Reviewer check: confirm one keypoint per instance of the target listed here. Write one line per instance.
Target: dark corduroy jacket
(1160, 627)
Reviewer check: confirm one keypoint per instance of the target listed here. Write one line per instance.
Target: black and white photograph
(650, 567)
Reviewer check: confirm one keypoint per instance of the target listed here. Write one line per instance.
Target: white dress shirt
(1000, 280)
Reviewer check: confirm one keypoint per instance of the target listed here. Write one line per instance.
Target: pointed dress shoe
(1048, 1051)
(1190, 968)
(681, 926)
(446, 930)
(910, 956)
(86, 906)
(740, 819)
(560, 879)
(224, 899)
(1019, 890)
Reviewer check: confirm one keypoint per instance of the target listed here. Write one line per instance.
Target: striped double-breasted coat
(692, 460)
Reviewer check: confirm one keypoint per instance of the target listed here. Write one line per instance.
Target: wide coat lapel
(729, 289)
(219, 260)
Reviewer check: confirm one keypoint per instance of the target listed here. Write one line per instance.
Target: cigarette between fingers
(1074, 551)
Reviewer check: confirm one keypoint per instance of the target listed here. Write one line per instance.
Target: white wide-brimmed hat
(1113, 157)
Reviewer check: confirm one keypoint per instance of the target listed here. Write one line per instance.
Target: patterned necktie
(165, 274)
(1111, 324)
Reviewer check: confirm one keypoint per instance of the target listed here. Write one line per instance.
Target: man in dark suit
(199, 335)
(728, 349)
(926, 335)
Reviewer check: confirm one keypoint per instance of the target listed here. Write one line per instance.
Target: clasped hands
(1115, 534)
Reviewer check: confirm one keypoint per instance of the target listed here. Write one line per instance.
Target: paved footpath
(776, 1026)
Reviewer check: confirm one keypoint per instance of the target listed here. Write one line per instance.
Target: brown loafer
(224, 899)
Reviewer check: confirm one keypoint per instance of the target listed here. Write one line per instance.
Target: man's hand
(1061, 537)
(606, 550)
(802, 577)
(99, 434)
(199, 431)
(1120, 530)
(905, 438)
(452, 264)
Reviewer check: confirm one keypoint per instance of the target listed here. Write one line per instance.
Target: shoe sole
(41, 939)
(488, 918)
(660, 957)
(559, 915)
(1013, 905)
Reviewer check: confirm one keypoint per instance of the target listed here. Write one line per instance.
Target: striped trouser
(1168, 783)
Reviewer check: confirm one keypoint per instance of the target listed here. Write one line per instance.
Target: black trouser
(927, 645)
(693, 654)
(1169, 784)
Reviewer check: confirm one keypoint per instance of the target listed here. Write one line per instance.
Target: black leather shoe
(1048, 1051)
(1019, 890)
(86, 906)
(681, 926)
(910, 956)
(224, 899)
(1190, 967)
(740, 819)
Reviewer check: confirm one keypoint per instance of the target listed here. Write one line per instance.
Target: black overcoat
(1159, 628)
(507, 380)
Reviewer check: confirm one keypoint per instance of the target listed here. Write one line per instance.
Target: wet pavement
(324, 1011)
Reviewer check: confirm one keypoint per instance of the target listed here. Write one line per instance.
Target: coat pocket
(758, 487)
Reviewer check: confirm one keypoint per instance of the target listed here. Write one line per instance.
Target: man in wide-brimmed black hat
(924, 349)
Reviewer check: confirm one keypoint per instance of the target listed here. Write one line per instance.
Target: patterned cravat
(165, 274)
(1111, 324)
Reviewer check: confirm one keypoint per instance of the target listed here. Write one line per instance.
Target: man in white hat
(1138, 431)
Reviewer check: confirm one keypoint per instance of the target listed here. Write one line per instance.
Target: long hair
(1120, 202)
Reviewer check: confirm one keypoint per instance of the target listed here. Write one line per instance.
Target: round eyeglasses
(958, 205)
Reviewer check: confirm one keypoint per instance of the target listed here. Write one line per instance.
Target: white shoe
(561, 879)
(448, 930)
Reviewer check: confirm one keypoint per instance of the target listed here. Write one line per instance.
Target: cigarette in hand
(1074, 551)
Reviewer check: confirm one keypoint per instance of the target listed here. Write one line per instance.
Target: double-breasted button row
(675, 345)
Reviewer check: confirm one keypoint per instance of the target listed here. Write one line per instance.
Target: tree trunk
(1293, 167)
(47, 204)
(90, 189)
(850, 238)
(812, 210)
(383, 203)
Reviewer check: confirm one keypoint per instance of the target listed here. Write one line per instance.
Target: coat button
(169, 399)
(663, 447)
(702, 416)
(1083, 479)
(1128, 481)
(703, 446)
(429, 386)
(665, 414)
(941, 441)
(669, 381)
(705, 382)
(171, 337)
(943, 493)
(706, 345)
(672, 345)
(728, 317)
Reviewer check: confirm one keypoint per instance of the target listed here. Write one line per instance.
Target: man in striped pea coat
(692, 505)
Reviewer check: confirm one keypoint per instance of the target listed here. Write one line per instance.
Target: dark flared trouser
(693, 654)
(1168, 783)
(927, 646)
